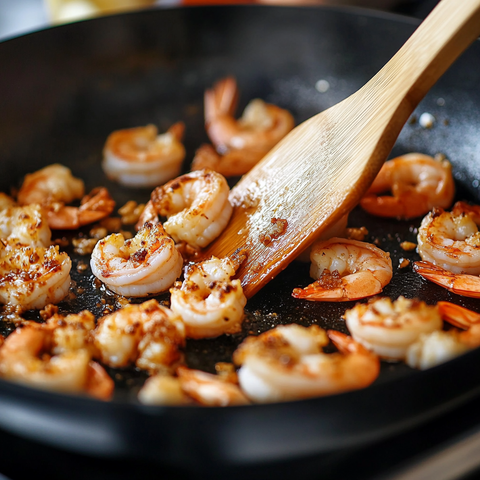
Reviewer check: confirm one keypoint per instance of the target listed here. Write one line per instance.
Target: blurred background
(22, 16)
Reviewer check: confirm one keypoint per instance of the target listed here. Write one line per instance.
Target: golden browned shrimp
(25, 358)
(287, 363)
(140, 157)
(147, 264)
(388, 328)
(346, 270)
(196, 205)
(417, 182)
(53, 187)
(149, 335)
(25, 226)
(449, 244)
(209, 302)
(245, 141)
(32, 277)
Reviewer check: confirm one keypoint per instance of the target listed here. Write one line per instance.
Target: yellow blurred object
(69, 10)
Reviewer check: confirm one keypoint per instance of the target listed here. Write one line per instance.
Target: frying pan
(63, 90)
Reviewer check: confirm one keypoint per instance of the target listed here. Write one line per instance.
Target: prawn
(346, 270)
(149, 335)
(388, 328)
(196, 205)
(439, 346)
(32, 277)
(25, 226)
(147, 264)
(25, 358)
(210, 390)
(288, 363)
(260, 128)
(449, 245)
(418, 183)
(208, 301)
(95, 206)
(53, 187)
(140, 157)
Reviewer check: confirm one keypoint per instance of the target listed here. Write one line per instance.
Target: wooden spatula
(319, 172)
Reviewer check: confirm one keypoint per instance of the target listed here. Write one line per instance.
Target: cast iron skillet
(63, 90)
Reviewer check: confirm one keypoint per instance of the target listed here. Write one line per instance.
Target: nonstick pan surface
(63, 90)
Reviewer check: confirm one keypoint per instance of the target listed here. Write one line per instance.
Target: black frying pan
(63, 90)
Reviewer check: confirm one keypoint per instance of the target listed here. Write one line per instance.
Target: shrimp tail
(461, 284)
(222, 99)
(458, 316)
(99, 384)
(95, 206)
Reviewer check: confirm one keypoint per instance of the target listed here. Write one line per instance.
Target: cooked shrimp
(346, 270)
(210, 390)
(449, 245)
(162, 389)
(32, 277)
(52, 184)
(440, 346)
(388, 328)
(287, 363)
(196, 205)
(147, 264)
(95, 206)
(209, 302)
(261, 126)
(53, 187)
(25, 226)
(149, 335)
(418, 183)
(24, 358)
(71, 332)
(450, 240)
(140, 157)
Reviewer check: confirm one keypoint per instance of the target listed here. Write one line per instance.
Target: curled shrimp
(209, 302)
(53, 187)
(196, 205)
(450, 240)
(149, 335)
(346, 270)
(25, 358)
(147, 264)
(245, 141)
(388, 328)
(25, 226)
(449, 245)
(210, 390)
(288, 363)
(32, 277)
(140, 157)
(439, 346)
(417, 182)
